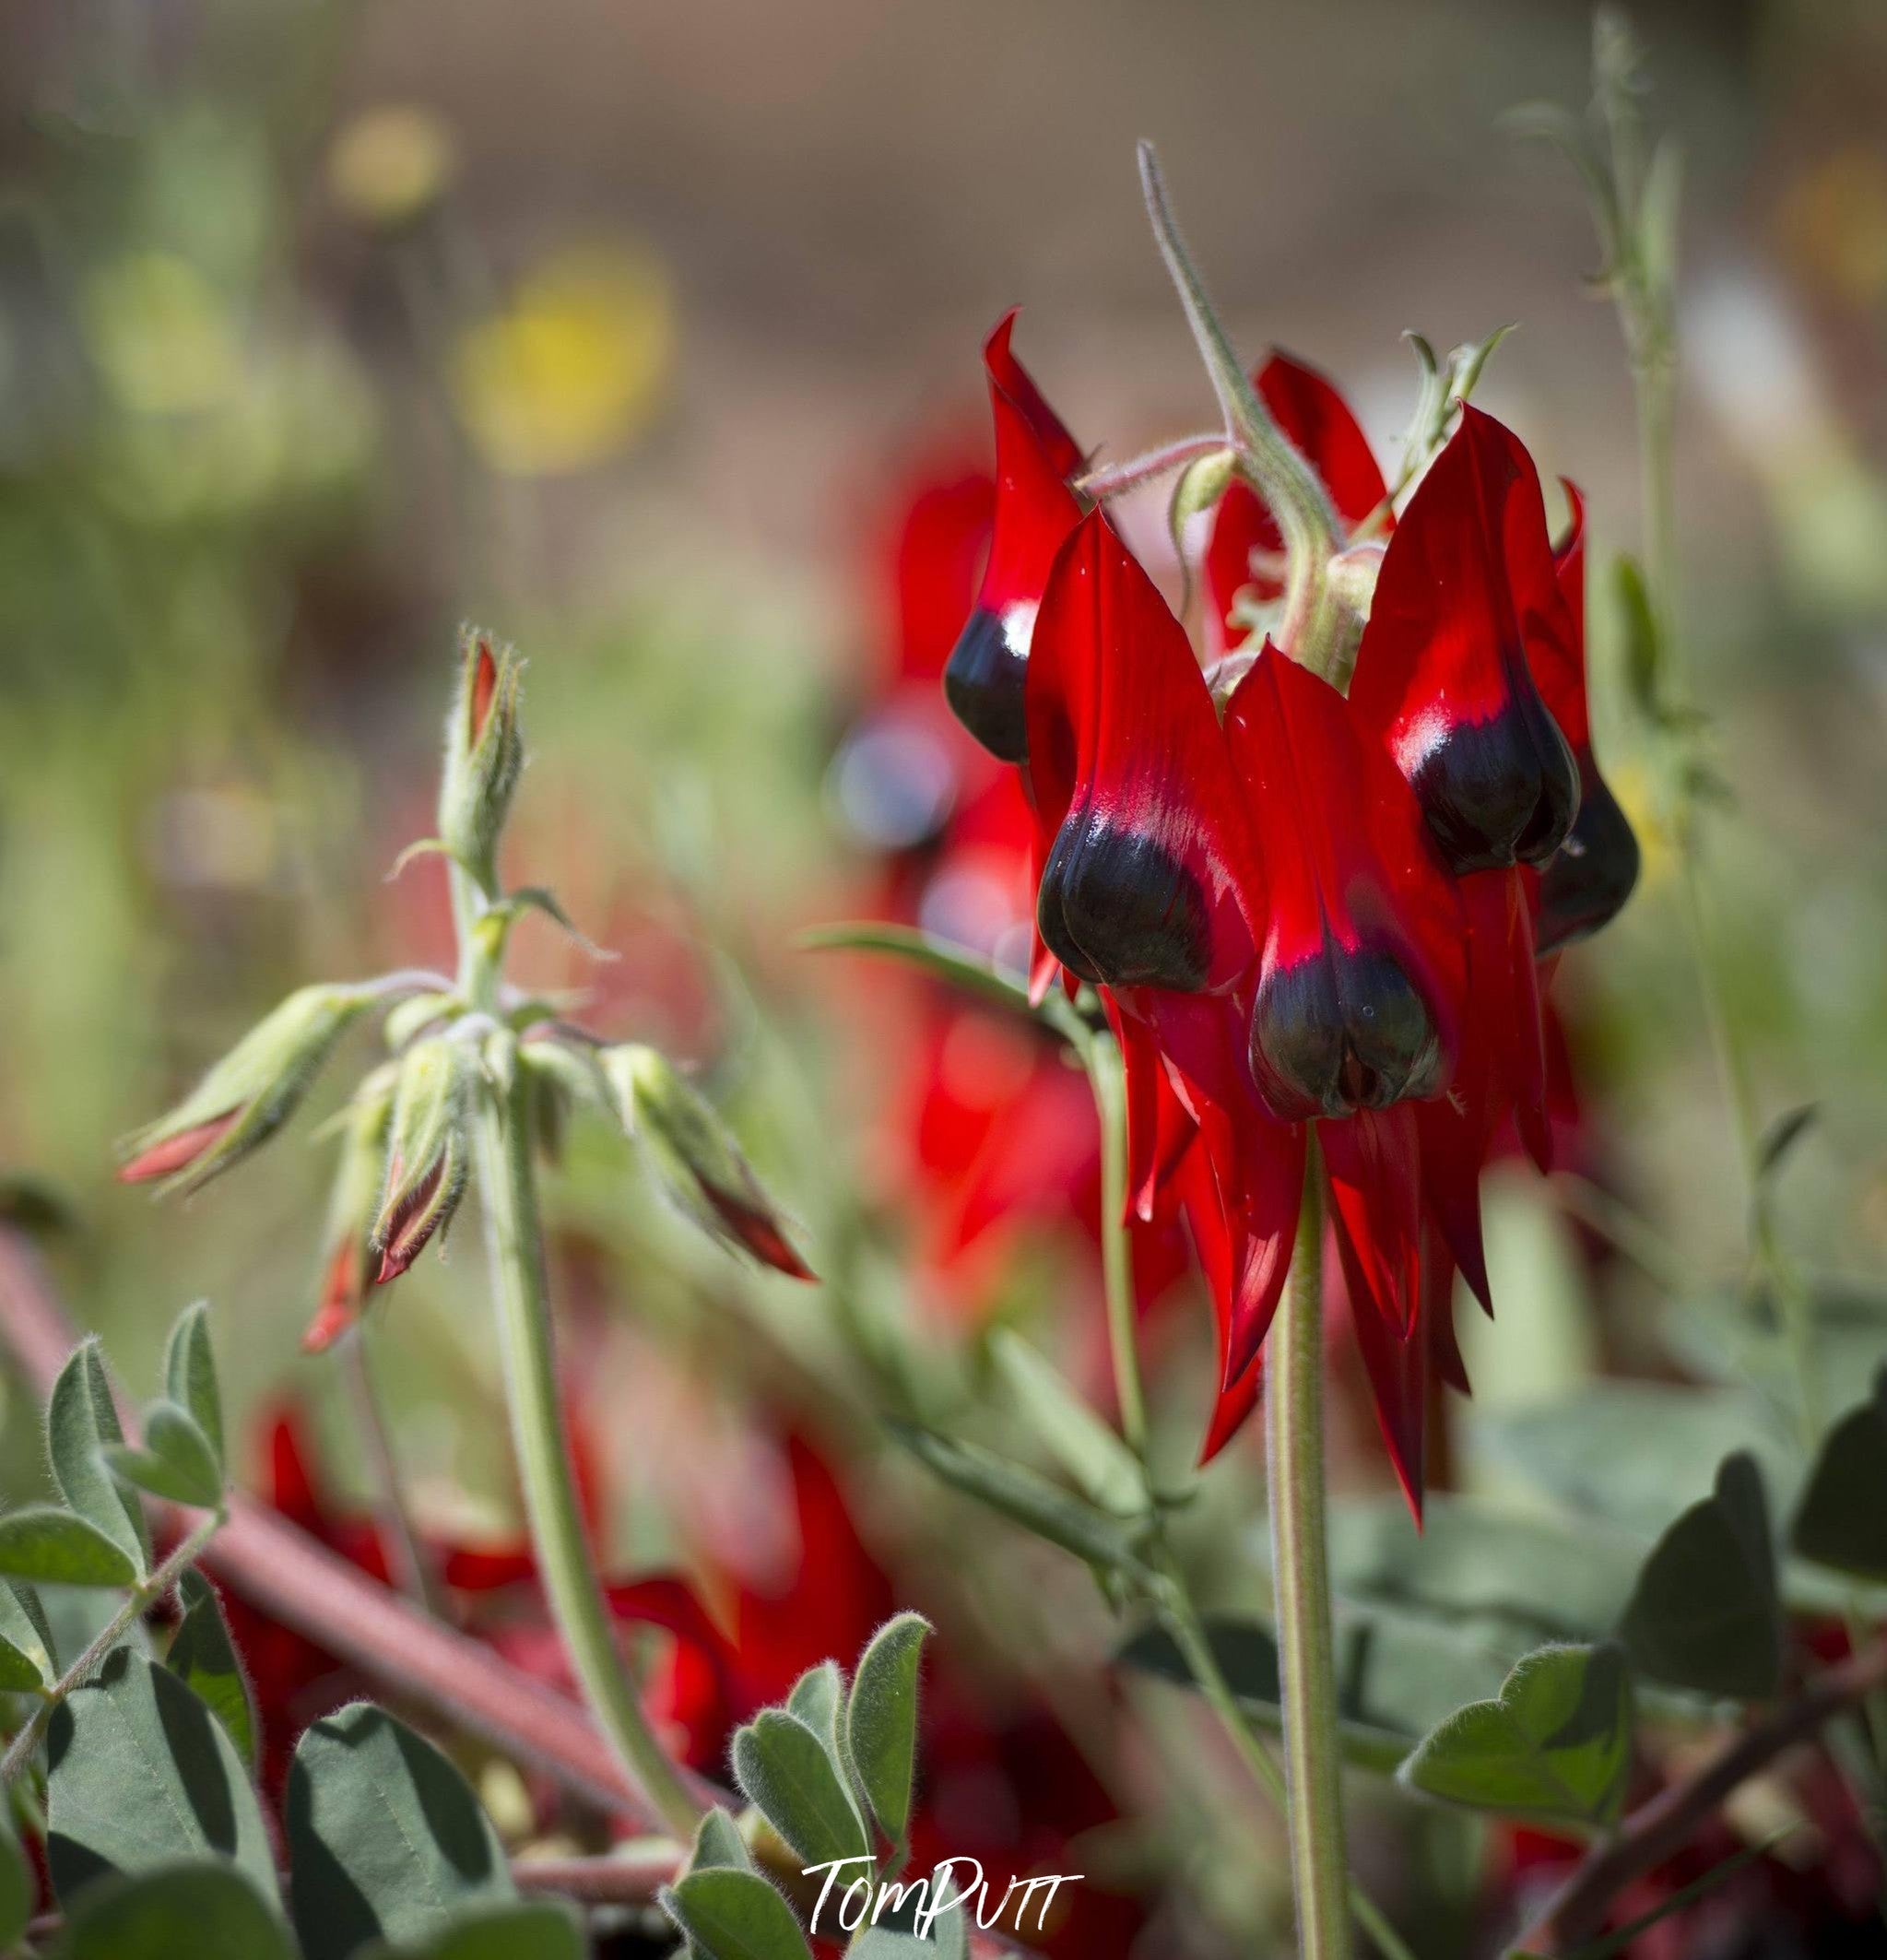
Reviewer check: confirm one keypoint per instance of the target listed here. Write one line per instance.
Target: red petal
(1559, 660)
(484, 685)
(758, 1231)
(1034, 508)
(1397, 1369)
(1315, 418)
(1145, 869)
(1373, 1166)
(176, 1152)
(1468, 596)
(1160, 1127)
(1008, 374)
(341, 1294)
(1352, 879)
(410, 1227)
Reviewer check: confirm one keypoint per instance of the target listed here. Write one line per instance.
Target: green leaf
(734, 1916)
(26, 1630)
(934, 957)
(1554, 1744)
(385, 1839)
(1019, 1493)
(536, 1930)
(80, 1421)
(210, 1911)
(203, 1655)
(718, 1844)
(949, 1940)
(882, 1718)
(1644, 659)
(1395, 1679)
(190, 1375)
(16, 1884)
(54, 1547)
(817, 1699)
(175, 1461)
(1782, 1135)
(1104, 1468)
(784, 1769)
(1707, 1613)
(19, 1672)
(141, 1776)
(1842, 1520)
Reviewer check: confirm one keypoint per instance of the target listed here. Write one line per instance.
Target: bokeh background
(632, 332)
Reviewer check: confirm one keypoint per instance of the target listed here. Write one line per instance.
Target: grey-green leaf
(718, 1844)
(1707, 1613)
(385, 1839)
(141, 1776)
(80, 1421)
(1555, 1743)
(58, 1548)
(1102, 1467)
(203, 1655)
(735, 1916)
(210, 1911)
(882, 1718)
(1842, 1520)
(936, 957)
(190, 1375)
(25, 1629)
(949, 1940)
(536, 1930)
(789, 1773)
(1029, 1499)
(817, 1698)
(176, 1460)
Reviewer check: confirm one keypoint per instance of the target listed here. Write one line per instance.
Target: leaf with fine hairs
(203, 1655)
(190, 1375)
(790, 1775)
(882, 1718)
(209, 1910)
(732, 1915)
(81, 1422)
(175, 1461)
(1842, 1520)
(533, 1930)
(58, 1548)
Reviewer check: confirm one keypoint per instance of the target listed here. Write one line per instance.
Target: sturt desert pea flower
(428, 1149)
(1035, 459)
(248, 1095)
(484, 755)
(694, 1157)
(1586, 885)
(348, 1265)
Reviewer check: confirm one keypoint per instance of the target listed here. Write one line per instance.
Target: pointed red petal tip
(340, 1299)
(758, 1234)
(411, 1227)
(484, 685)
(177, 1152)
(1007, 374)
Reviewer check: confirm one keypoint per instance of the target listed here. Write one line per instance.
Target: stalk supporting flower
(1300, 1567)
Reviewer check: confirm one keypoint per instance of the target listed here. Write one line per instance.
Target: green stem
(137, 1601)
(1101, 1059)
(412, 1566)
(515, 1241)
(1306, 1665)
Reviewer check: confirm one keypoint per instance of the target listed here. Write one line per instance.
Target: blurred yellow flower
(160, 333)
(570, 372)
(390, 163)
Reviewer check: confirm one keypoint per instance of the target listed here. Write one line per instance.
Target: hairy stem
(410, 1563)
(137, 1601)
(508, 1187)
(1306, 1665)
(1114, 479)
(1101, 1058)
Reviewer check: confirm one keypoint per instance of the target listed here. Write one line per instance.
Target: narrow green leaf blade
(882, 1718)
(190, 1375)
(25, 1628)
(175, 1461)
(385, 1839)
(1020, 1494)
(1102, 1467)
(140, 1776)
(80, 1421)
(210, 1911)
(1842, 1519)
(58, 1548)
(933, 956)
(1706, 1612)
(203, 1655)
(735, 1916)
(784, 1769)
(1555, 1743)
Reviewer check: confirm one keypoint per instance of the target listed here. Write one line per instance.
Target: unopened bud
(248, 1095)
(348, 1265)
(695, 1156)
(427, 1150)
(484, 753)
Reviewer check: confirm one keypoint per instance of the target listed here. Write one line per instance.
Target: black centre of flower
(1502, 791)
(1341, 1032)
(982, 683)
(1586, 885)
(1117, 908)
